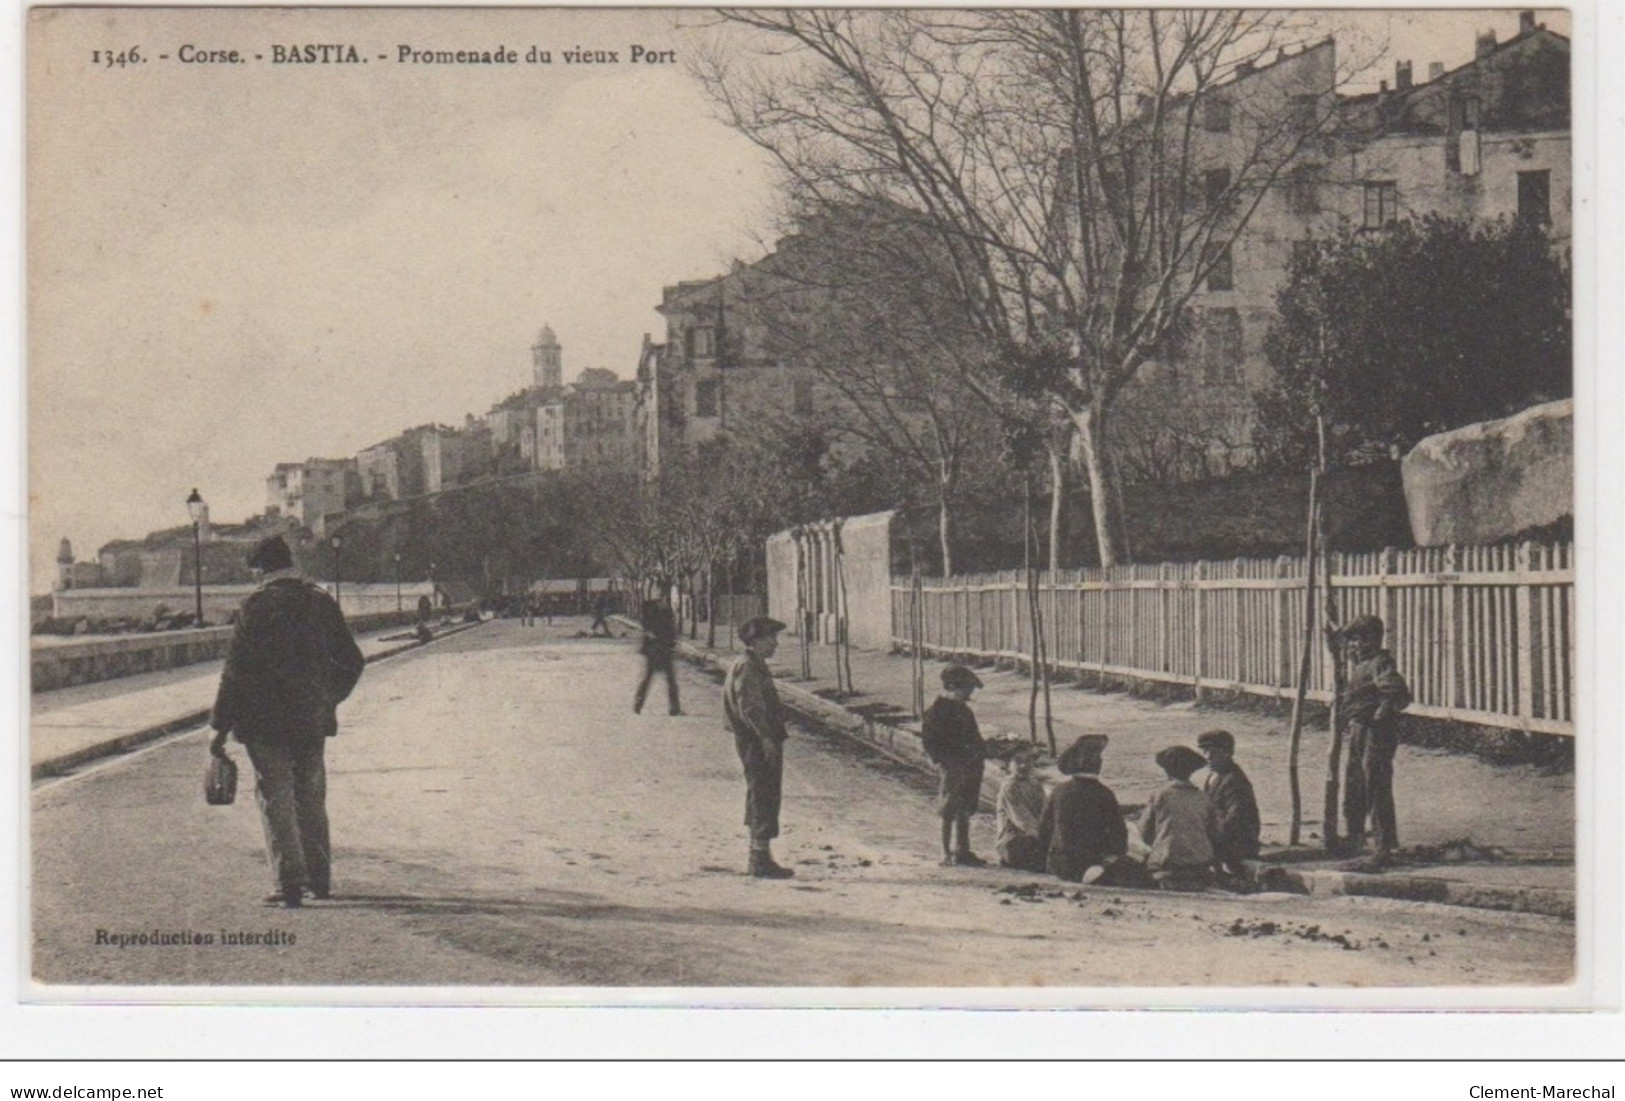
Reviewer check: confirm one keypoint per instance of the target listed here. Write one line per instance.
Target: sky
(232, 266)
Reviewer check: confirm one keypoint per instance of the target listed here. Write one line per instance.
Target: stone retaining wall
(97, 659)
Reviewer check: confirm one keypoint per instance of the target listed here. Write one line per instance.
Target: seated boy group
(1076, 831)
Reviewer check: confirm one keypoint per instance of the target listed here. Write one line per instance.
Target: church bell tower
(547, 360)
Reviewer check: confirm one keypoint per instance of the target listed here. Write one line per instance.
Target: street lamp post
(398, 605)
(338, 559)
(195, 507)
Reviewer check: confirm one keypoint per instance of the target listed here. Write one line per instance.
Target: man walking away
(291, 662)
(756, 717)
(1373, 696)
(658, 648)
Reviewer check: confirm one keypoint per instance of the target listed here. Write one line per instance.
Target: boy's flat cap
(758, 627)
(1180, 761)
(1083, 755)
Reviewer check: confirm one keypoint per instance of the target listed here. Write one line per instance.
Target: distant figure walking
(756, 717)
(291, 661)
(658, 648)
(600, 614)
(1374, 694)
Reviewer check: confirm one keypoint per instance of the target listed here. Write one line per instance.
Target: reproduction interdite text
(187, 938)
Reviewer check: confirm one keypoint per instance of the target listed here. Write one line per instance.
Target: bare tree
(1064, 161)
(859, 299)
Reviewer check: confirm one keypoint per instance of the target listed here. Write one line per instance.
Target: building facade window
(705, 344)
(705, 398)
(1221, 273)
(1221, 346)
(1215, 186)
(1381, 203)
(1216, 115)
(1306, 113)
(1535, 197)
(1463, 120)
(802, 397)
(1303, 190)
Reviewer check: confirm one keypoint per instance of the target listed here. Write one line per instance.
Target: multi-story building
(393, 469)
(599, 422)
(313, 490)
(452, 457)
(1487, 140)
(715, 370)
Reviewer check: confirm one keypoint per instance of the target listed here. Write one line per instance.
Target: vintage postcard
(805, 506)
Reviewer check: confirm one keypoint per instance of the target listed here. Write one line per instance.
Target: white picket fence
(1483, 634)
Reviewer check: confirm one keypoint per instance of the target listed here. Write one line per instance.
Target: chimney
(1435, 70)
(1484, 45)
(1402, 75)
(1382, 87)
(1244, 68)
(1526, 22)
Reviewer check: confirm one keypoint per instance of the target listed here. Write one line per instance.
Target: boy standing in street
(756, 717)
(952, 740)
(1234, 804)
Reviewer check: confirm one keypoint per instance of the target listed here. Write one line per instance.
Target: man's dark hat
(1365, 626)
(957, 676)
(1180, 761)
(270, 553)
(758, 627)
(1221, 739)
(1082, 755)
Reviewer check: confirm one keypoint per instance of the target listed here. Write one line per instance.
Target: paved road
(501, 818)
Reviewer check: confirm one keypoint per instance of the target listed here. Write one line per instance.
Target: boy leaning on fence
(1374, 693)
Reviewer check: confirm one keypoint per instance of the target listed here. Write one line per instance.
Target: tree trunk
(1295, 740)
(711, 604)
(1091, 425)
(944, 526)
(1057, 483)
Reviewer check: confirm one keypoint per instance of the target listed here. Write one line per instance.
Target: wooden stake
(1334, 752)
(1303, 662)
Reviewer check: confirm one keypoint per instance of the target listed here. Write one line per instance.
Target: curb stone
(1551, 901)
(124, 743)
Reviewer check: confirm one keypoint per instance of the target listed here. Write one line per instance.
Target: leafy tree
(1422, 327)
